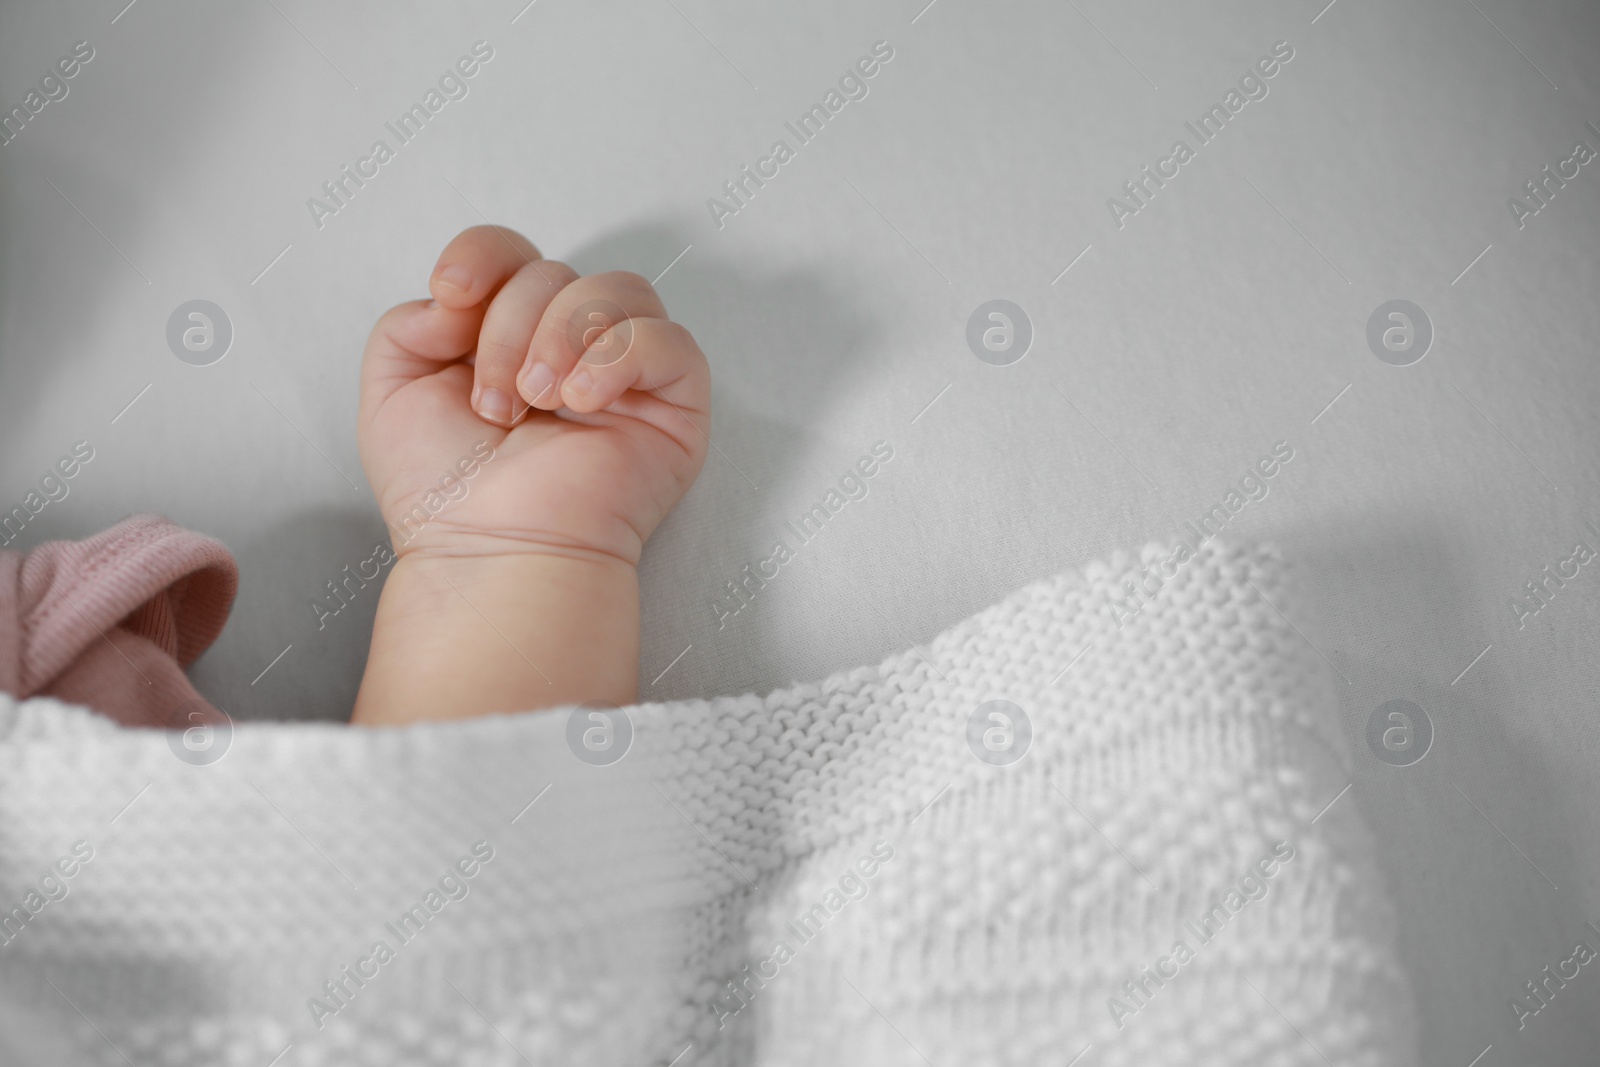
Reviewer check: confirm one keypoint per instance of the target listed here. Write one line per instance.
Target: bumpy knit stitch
(841, 873)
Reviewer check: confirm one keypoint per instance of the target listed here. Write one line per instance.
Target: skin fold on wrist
(458, 636)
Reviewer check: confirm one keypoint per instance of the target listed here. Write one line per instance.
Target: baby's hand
(597, 407)
(520, 590)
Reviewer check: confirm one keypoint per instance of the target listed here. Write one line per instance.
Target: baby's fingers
(476, 262)
(507, 332)
(574, 321)
(417, 338)
(648, 355)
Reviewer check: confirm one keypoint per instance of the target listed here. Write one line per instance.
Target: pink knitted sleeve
(110, 622)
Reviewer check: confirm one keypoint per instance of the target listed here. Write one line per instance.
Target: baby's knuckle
(553, 271)
(499, 349)
(388, 318)
(677, 334)
(483, 229)
(627, 279)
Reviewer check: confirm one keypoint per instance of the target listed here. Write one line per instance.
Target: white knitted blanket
(870, 870)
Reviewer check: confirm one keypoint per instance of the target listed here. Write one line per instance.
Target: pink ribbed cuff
(111, 621)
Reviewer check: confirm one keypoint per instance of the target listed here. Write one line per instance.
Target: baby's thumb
(413, 340)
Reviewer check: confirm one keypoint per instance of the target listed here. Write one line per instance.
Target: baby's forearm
(458, 637)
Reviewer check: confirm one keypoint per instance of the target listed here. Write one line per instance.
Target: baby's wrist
(551, 570)
(519, 629)
(439, 548)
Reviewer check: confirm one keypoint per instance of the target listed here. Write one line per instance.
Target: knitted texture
(861, 871)
(109, 622)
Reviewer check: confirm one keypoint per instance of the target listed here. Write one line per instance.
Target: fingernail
(581, 382)
(536, 386)
(494, 405)
(457, 277)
